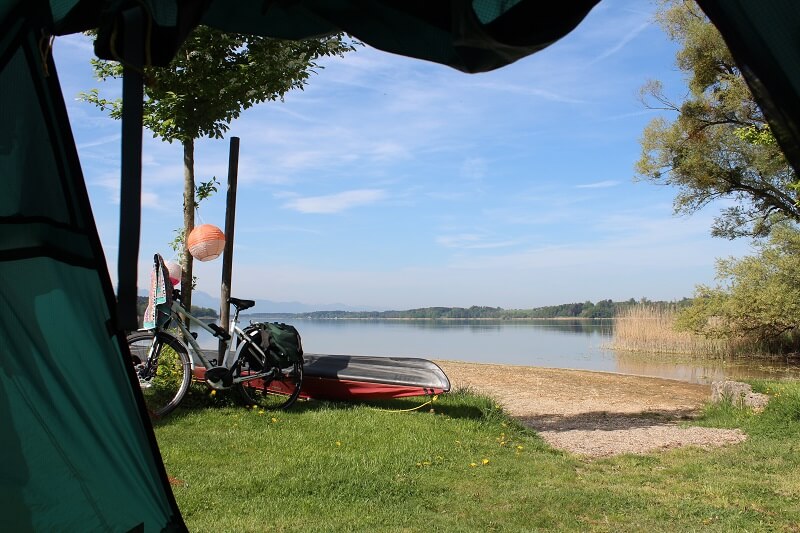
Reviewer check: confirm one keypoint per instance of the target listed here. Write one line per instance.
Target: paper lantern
(206, 242)
(175, 271)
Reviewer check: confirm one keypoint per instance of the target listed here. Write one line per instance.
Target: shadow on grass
(606, 421)
(443, 405)
(462, 404)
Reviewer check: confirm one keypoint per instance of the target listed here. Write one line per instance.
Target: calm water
(576, 344)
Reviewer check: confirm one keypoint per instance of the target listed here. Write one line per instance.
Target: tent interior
(78, 446)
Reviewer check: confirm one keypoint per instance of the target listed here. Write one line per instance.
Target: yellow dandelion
(338, 443)
(213, 392)
(520, 448)
(274, 420)
(485, 461)
(261, 412)
(473, 464)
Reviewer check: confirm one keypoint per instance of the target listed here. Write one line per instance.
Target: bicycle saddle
(241, 305)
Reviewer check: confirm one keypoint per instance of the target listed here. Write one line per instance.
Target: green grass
(344, 467)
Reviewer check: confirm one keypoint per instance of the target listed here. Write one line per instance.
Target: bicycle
(165, 369)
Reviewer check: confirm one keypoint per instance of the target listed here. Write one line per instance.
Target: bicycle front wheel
(278, 393)
(163, 368)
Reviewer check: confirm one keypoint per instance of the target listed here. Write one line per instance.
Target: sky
(395, 183)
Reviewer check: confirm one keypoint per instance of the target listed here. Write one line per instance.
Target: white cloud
(278, 227)
(535, 92)
(474, 168)
(598, 184)
(336, 203)
(78, 40)
(628, 37)
(99, 142)
(388, 151)
(151, 200)
(472, 241)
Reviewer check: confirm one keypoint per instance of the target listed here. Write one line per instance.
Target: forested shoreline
(588, 309)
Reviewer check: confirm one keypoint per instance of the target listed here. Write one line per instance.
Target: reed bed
(651, 329)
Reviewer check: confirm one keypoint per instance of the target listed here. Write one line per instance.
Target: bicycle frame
(255, 373)
(237, 336)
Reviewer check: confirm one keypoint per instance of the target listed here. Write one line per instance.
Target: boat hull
(361, 377)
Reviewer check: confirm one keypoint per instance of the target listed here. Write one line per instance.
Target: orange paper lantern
(206, 242)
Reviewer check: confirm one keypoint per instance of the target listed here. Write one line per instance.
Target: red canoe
(360, 377)
(350, 377)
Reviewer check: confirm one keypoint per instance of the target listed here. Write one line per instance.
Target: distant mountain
(203, 299)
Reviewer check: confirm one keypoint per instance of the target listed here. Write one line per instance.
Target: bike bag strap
(219, 332)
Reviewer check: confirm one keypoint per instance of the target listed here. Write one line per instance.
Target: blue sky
(394, 183)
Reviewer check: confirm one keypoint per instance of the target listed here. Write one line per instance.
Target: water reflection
(576, 344)
(571, 326)
(701, 370)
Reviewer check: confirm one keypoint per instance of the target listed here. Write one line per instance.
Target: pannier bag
(281, 342)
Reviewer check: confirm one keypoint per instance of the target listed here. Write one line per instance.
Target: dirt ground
(595, 414)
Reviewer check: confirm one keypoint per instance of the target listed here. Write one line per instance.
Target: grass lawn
(466, 466)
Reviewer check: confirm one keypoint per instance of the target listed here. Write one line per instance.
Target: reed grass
(651, 329)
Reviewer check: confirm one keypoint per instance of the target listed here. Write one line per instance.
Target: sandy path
(595, 413)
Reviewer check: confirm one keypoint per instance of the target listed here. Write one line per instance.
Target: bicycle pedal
(219, 378)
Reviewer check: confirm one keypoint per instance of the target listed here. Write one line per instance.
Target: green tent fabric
(79, 453)
(471, 36)
(764, 38)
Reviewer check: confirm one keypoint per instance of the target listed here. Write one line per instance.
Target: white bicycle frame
(232, 344)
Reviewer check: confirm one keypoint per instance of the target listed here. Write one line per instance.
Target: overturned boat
(363, 377)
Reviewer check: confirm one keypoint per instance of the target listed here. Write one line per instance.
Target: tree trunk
(227, 257)
(189, 207)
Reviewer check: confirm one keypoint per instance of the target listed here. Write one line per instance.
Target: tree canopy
(719, 145)
(210, 81)
(756, 298)
(215, 76)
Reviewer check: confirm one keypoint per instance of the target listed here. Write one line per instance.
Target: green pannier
(281, 342)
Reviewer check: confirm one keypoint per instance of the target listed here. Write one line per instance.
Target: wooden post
(227, 255)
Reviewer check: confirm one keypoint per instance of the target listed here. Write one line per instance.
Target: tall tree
(719, 145)
(211, 80)
(756, 297)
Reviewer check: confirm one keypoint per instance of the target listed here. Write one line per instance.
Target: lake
(573, 344)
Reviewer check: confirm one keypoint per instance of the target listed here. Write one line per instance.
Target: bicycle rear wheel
(273, 394)
(163, 368)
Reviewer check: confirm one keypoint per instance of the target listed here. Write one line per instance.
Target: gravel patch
(596, 414)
